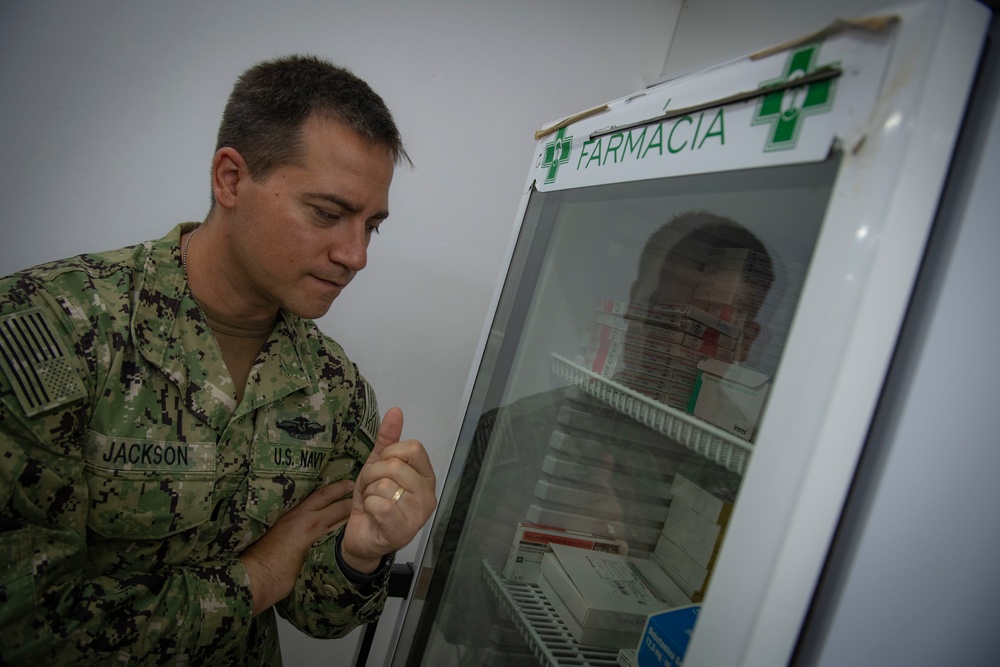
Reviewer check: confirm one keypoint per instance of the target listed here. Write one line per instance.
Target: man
(181, 449)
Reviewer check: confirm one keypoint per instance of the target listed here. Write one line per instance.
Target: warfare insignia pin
(300, 428)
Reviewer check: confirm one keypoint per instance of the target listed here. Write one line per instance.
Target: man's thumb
(391, 428)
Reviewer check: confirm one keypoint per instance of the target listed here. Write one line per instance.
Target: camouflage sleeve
(56, 606)
(325, 603)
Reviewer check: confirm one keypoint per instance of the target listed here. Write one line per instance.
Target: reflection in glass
(637, 284)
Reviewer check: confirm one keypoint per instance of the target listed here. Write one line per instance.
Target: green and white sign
(788, 107)
(785, 110)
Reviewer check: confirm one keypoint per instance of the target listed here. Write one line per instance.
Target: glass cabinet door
(626, 374)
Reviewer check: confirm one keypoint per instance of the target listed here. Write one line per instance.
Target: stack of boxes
(604, 598)
(692, 534)
(605, 473)
(604, 343)
(670, 339)
(664, 346)
(656, 351)
(532, 542)
(740, 279)
(663, 351)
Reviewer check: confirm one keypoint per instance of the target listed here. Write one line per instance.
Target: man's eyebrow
(343, 203)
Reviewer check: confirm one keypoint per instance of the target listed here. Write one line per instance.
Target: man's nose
(349, 247)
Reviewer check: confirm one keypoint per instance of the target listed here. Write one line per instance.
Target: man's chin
(310, 311)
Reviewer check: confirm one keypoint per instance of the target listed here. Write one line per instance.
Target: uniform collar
(170, 331)
(283, 370)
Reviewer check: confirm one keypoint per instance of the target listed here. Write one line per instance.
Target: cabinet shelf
(709, 441)
(542, 629)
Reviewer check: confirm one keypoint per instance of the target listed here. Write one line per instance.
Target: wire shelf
(713, 443)
(541, 627)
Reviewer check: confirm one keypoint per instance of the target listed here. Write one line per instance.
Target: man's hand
(392, 500)
(274, 562)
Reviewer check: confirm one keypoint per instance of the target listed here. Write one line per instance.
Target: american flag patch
(35, 361)
(370, 421)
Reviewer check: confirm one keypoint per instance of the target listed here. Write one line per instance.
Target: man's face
(300, 235)
(672, 279)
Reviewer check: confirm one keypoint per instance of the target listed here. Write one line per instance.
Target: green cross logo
(556, 153)
(785, 109)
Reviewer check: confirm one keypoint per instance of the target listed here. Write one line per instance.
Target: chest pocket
(292, 455)
(141, 489)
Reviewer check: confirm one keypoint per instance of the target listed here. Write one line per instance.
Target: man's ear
(228, 169)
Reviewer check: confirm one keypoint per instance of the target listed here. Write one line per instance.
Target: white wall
(109, 112)
(712, 31)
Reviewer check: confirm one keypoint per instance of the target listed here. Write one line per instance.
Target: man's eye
(323, 214)
(372, 229)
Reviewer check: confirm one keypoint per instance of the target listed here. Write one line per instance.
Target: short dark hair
(686, 238)
(272, 100)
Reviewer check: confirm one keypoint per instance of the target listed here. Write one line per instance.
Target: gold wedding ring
(399, 494)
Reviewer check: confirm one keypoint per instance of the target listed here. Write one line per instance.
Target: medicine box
(627, 657)
(691, 576)
(609, 591)
(703, 551)
(641, 537)
(666, 636)
(715, 507)
(532, 541)
(729, 396)
(588, 636)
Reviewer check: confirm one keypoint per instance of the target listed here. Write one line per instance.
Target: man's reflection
(562, 458)
(674, 275)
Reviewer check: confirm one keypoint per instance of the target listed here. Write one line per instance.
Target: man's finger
(388, 434)
(389, 431)
(326, 495)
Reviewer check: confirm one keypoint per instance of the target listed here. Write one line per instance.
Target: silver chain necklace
(184, 250)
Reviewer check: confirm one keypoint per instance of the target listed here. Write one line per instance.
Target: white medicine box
(729, 396)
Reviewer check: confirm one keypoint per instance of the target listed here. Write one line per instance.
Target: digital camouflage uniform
(130, 479)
